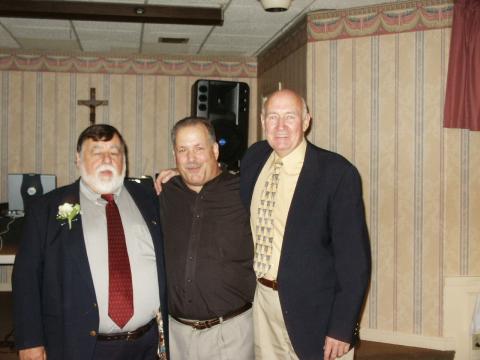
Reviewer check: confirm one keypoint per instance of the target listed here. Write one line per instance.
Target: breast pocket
(142, 241)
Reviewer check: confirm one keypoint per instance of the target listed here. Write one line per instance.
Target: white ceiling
(246, 31)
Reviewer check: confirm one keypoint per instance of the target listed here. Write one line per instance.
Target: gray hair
(192, 121)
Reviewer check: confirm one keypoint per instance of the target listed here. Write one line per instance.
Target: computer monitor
(24, 188)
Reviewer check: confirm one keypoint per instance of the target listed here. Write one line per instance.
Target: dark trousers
(144, 348)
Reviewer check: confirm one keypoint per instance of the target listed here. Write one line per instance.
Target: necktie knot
(277, 164)
(108, 197)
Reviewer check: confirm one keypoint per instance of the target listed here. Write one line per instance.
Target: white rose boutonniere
(68, 212)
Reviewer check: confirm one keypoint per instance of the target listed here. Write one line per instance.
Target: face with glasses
(284, 121)
(102, 164)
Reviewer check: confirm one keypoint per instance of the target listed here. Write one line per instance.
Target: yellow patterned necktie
(264, 228)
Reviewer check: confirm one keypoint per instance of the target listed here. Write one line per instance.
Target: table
(9, 244)
(10, 239)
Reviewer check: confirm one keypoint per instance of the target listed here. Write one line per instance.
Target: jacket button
(93, 333)
(94, 305)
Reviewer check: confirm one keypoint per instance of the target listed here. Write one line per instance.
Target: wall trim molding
(460, 294)
(398, 338)
(11, 59)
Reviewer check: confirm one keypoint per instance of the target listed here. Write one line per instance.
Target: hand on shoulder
(163, 177)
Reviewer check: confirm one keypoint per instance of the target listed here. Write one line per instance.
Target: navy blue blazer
(53, 293)
(325, 261)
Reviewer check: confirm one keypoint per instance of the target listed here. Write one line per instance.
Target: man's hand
(35, 353)
(334, 348)
(163, 177)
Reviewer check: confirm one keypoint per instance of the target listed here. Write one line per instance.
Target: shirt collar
(92, 195)
(293, 162)
(205, 186)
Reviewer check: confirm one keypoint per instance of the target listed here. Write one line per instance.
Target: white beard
(103, 186)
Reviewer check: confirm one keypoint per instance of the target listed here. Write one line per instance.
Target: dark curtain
(462, 98)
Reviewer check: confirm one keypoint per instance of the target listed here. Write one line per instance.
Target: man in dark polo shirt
(208, 250)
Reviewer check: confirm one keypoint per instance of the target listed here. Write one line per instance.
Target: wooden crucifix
(92, 103)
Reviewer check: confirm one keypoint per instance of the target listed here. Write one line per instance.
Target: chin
(107, 187)
(193, 180)
(104, 179)
(280, 147)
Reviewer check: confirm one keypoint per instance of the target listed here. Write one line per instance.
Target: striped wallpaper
(382, 108)
(381, 112)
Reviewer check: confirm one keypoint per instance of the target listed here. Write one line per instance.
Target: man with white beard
(89, 276)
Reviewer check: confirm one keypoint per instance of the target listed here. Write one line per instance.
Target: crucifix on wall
(92, 103)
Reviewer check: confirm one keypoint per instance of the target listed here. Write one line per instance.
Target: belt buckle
(129, 336)
(198, 324)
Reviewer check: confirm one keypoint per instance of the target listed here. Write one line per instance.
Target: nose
(107, 158)
(281, 123)
(190, 155)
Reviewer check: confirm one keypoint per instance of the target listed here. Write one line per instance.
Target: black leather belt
(204, 324)
(128, 335)
(272, 284)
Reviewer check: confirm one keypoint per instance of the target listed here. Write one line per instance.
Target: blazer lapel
(146, 207)
(302, 198)
(74, 240)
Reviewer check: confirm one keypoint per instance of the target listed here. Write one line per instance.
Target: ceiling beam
(119, 12)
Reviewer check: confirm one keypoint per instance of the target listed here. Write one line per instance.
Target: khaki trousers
(230, 340)
(271, 337)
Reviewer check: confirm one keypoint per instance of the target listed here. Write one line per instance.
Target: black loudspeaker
(225, 104)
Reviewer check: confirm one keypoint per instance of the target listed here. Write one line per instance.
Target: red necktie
(120, 293)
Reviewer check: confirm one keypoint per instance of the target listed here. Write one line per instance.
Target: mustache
(106, 167)
(192, 165)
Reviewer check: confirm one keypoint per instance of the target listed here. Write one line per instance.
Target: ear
(77, 159)
(262, 121)
(174, 157)
(306, 122)
(216, 150)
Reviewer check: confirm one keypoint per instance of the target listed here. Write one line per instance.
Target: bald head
(285, 119)
(286, 92)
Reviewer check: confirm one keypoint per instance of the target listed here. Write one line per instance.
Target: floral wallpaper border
(380, 19)
(137, 65)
